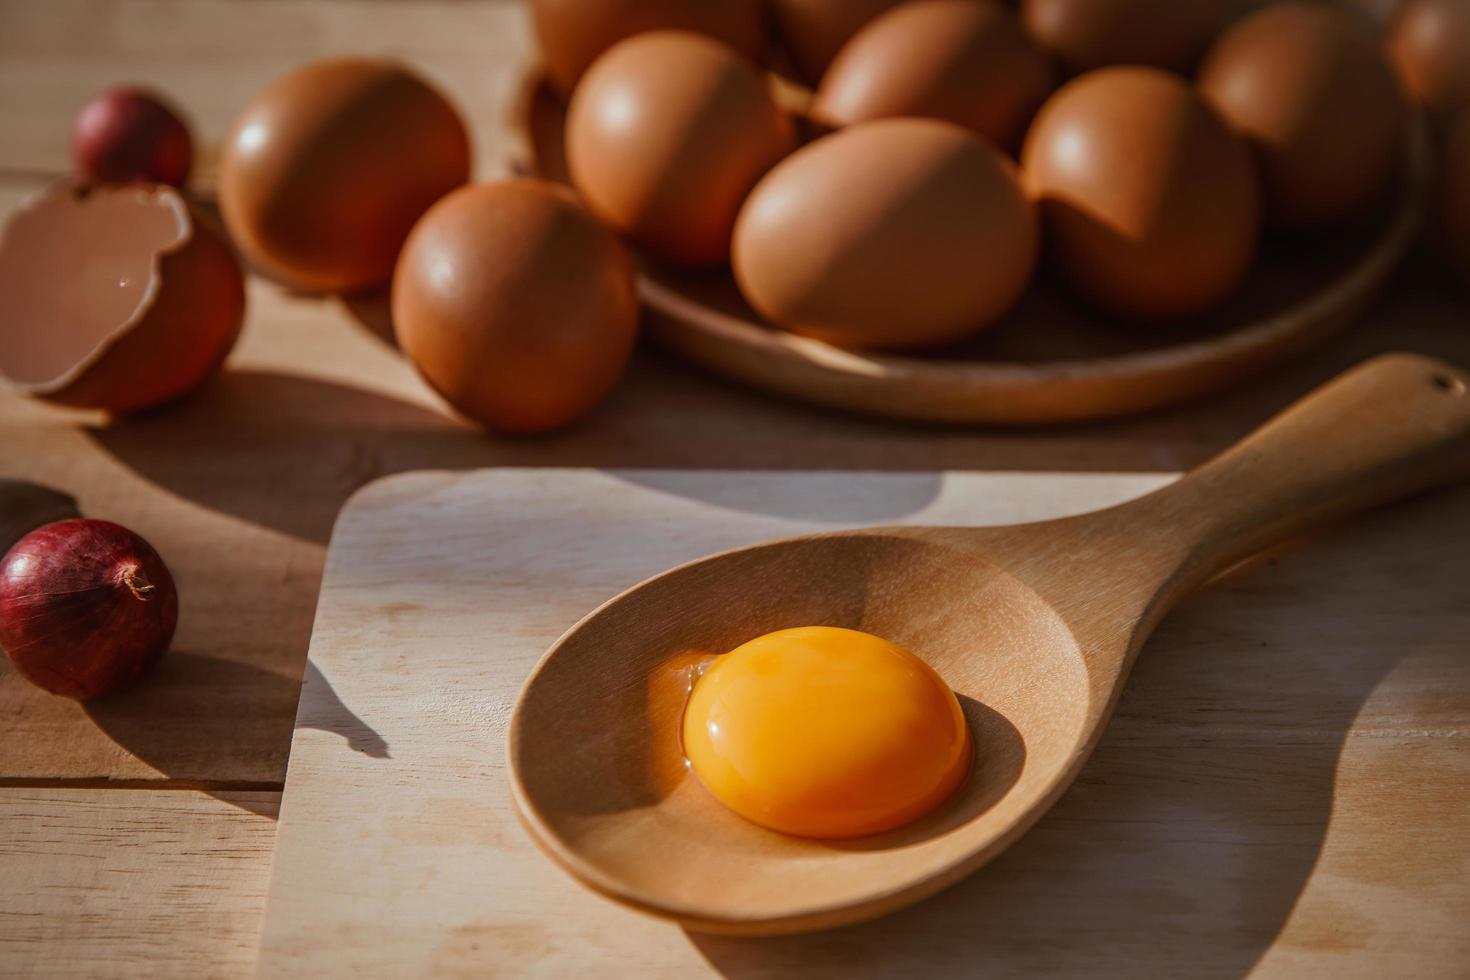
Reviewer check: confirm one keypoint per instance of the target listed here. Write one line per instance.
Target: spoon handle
(1393, 426)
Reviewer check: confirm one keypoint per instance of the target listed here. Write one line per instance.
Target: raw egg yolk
(825, 732)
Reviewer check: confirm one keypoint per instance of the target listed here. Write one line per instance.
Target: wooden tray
(1281, 789)
(1049, 360)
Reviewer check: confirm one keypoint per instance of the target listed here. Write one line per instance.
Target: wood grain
(240, 485)
(211, 57)
(1236, 814)
(131, 883)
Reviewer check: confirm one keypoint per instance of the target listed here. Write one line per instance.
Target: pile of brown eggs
(876, 174)
(944, 160)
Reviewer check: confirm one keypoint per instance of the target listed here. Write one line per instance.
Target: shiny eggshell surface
(960, 60)
(813, 31)
(665, 136)
(1088, 34)
(1151, 205)
(574, 33)
(1308, 85)
(1454, 197)
(515, 305)
(1429, 45)
(328, 168)
(892, 234)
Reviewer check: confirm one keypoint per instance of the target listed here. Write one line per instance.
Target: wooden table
(136, 834)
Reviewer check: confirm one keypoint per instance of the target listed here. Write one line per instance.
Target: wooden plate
(1050, 360)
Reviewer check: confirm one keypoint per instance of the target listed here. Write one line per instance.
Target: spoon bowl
(635, 810)
(1034, 626)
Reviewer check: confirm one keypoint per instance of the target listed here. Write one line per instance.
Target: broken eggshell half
(114, 297)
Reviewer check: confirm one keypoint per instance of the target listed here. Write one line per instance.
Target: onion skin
(86, 607)
(126, 134)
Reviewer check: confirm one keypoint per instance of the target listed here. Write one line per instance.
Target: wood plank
(129, 883)
(211, 57)
(314, 406)
(1281, 790)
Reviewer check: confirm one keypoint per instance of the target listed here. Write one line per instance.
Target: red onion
(127, 134)
(85, 607)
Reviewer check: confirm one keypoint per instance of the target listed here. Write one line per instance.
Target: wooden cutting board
(1283, 788)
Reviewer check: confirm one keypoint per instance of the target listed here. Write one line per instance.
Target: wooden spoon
(1035, 626)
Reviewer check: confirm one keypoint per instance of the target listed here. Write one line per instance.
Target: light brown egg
(574, 33)
(960, 60)
(329, 167)
(515, 305)
(814, 30)
(1151, 205)
(666, 135)
(1429, 45)
(1308, 85)
(893, 234)
(1088, 34)
(1454, 196)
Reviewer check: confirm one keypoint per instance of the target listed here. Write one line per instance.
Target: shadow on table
(281, 451)
(158, 720)
(285, 451)
(824, 498)
(1191, 835)
(25, 506)
(373, 312)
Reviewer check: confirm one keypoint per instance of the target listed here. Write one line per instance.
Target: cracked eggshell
(114, 297)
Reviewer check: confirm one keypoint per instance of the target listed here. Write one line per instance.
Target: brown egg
(329, 167)
(515, 305)
(892, 234)
(1151, 205)
(1088, 34)
(1429, 45)
(574, 33)
(814, 30)
(1454, 196)
(960, 60)
(666, 135)
(1307, 84)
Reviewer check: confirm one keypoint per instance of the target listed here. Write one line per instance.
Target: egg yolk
(825, 732)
